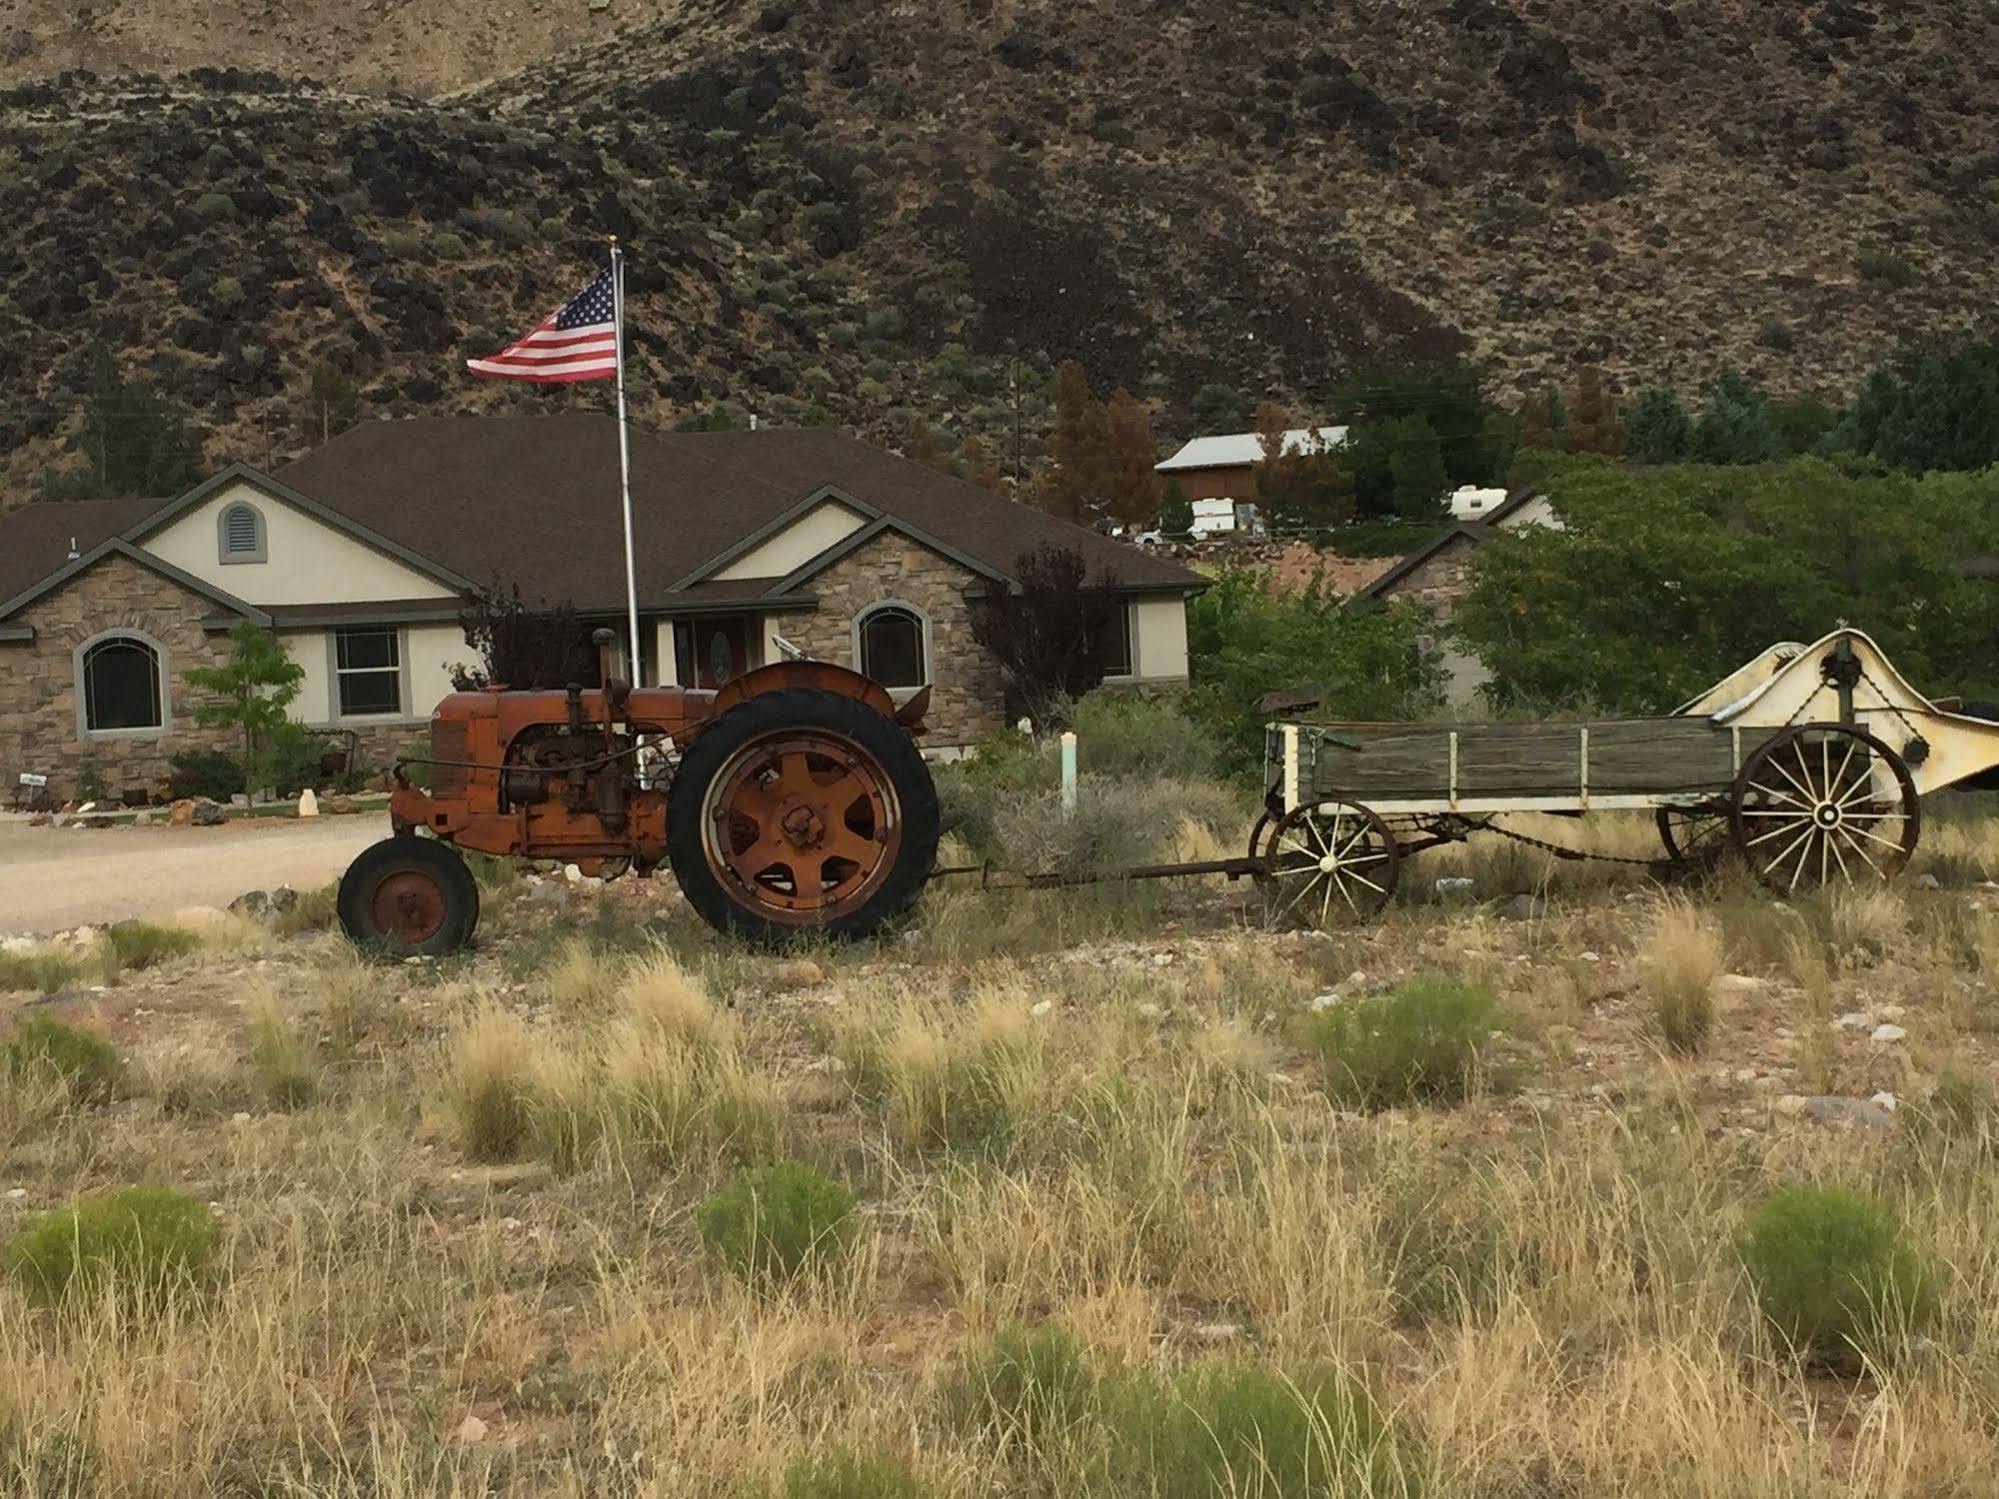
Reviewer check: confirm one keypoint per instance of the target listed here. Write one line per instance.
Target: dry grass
(1102, 1117)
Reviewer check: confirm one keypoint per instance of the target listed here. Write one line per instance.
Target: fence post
(1068, 772)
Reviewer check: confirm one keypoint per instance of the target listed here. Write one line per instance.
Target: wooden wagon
(1810, 762)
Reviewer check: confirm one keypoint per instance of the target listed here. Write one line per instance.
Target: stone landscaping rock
(798, 973)
(255, 904)
(283, 898)
(1841, 1113)
(207, 814)
(1888, 1033)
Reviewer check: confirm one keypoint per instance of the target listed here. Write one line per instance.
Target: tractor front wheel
(800, 811)
(409, 895)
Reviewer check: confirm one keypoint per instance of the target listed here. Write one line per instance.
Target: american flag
(580, 342)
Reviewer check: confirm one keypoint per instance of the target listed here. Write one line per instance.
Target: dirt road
(52, 878)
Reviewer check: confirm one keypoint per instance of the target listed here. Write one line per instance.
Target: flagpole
(625, 453)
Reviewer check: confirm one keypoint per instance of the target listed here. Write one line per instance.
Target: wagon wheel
(1330, 860)
(1695, 837)
(1825, 801)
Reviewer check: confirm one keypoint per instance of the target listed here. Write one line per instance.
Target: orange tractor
(798, 802)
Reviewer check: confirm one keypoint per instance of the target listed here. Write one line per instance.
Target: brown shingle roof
(35, 539)
(534, 500)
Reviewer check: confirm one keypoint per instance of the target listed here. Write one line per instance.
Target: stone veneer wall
(38, 686)
(967, 698)
(1440, 580)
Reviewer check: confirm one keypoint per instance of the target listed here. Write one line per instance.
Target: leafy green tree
(1657, 428)
(1661, 583)
(1301, 481)
(1448, 398)
(1804, 423)
(136, 441)
(1176, 511)
(1416, 467)
(1736, 426)
(251, 692)
(1243, 641)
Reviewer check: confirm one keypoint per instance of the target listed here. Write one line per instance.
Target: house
(1436, 575)
(1224, 468)
(359, 554)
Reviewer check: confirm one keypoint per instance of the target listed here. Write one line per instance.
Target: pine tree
(136, 441)
(1131, 487)
(1537, 428)
(1074, 483)
(1416, 462)
(976, 464)
(1176, 511)
(1593, 425)
(1735, 427)
(1658, 429)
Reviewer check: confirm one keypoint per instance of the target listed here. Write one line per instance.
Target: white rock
(1162, 960)
(1590, 957)
(308, 803)
(1853, 1020)
(1893, 1012)
(15, 1194)
(572, 874)
(1043, 1007)
(1884, 1100)
(1326, 1001)
(471, 1429)
(1151, 1011)
(1889, 1033)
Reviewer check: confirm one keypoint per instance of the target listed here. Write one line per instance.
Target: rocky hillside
(869, 208)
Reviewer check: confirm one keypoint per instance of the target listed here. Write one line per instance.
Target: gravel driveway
(53, 878)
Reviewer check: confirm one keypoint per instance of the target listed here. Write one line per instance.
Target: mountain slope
(869, 207)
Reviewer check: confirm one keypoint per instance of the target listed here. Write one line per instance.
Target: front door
(721, 650)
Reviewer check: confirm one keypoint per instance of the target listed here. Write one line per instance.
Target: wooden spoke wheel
(801, 809)
(409, 894)
(1824, 802)
(1330, 861)
(1695, 837)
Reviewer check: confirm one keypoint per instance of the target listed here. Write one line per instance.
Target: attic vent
(242, 534)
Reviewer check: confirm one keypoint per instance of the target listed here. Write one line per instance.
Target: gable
(304, 560)
(796, 544)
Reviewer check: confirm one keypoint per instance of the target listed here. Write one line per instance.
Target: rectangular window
(1117, 642)
(368, 665)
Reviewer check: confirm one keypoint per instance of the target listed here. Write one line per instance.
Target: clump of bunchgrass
(848, 1474)
(1022, 1386)
(491, 1089)
(282, 1060)
(141, 945)
(1681, 960)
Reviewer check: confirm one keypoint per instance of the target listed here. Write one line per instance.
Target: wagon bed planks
(1665, 756)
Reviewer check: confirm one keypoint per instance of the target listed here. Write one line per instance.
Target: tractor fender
(827, 677)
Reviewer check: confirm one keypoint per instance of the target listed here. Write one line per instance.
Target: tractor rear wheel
(411, 895)
(801, 811)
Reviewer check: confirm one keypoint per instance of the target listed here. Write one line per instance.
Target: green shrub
(1834, 1274)
(214, 206)
(140, 944)
(86, 1061)
(142, 1242)
(43, 970)
(447, 246)
(403, 244)
(1885, 270)
(208, 773)
(772, 1222)
(1024, 1385)
(1225, 1430)
(1138, 737)
(1422, 1040)
(849, 1475)
(227, 291)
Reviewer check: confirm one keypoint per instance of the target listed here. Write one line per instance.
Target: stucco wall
(1159, 639)
(38, 679)
(967, 696)
(307, 562)
(428, 653)
(797, 544)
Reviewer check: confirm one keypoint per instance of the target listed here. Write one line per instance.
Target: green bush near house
(141, 1243)
(209, 773)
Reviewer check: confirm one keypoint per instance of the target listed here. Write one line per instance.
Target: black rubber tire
(892, 749)
(404, 854)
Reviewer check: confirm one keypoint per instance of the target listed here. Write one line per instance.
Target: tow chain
(1559, 850)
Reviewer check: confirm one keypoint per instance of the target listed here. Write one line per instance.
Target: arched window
(893, 645)
(240, 533)
(120, 685)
